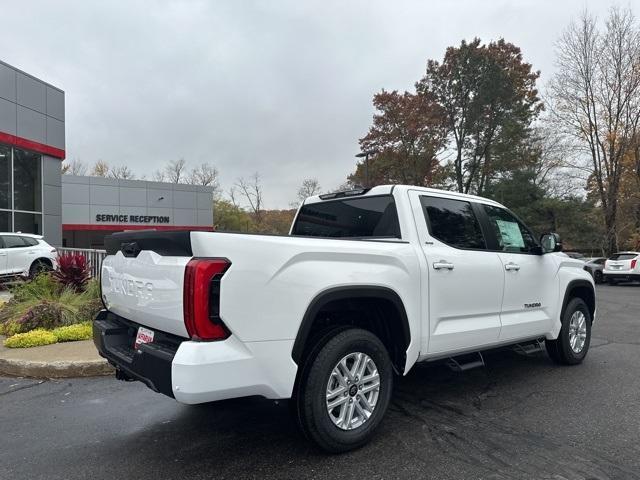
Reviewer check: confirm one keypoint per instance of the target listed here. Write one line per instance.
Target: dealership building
(68, 210)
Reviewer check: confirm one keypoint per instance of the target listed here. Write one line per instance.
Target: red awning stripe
(119, 227)
(20, 142)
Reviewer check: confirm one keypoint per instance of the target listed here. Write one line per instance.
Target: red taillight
(633, 263)
(201, 302)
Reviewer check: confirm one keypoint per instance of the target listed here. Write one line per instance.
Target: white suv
(25, 254)
(622, 266)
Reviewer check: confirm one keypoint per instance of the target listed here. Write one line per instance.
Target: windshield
(373, 217)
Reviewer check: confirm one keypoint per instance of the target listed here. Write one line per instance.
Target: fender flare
(570, 287)
(342, 293)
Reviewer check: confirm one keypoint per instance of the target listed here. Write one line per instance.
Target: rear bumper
(628, 277)
(197, 372)
(114, 337)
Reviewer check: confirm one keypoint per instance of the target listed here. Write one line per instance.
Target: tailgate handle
(131, 249)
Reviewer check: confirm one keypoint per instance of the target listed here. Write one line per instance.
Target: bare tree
(158, 176)
(176, 171)
(206, 174)
(122, 172)
(251, 190)
(308, 188)
(233, 196)
(74, 167)
(100, 169)
(595, 99)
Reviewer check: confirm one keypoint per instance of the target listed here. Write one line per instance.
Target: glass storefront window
(27, 223)
(27, 182)
(5, 221)
(5, 178)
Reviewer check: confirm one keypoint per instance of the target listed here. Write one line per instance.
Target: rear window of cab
(363, 217)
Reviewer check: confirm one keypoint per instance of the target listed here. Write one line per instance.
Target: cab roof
(389, 189)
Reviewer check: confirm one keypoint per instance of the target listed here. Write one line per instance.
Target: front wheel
(344, 391)
(574, 338)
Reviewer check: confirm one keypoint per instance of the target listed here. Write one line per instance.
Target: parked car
(594, 266)
(621, 267)
(24, 254)
(576, 255)
(368, 283)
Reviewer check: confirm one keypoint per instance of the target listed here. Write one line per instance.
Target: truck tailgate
(146, 289)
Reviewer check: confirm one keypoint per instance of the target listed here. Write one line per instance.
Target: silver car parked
(594, 266)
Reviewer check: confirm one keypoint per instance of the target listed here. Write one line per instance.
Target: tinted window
(13, 241)
(623, 256)
(513, 236)
(453, 222)
(355, 217)
(31, 242)
(600, 261)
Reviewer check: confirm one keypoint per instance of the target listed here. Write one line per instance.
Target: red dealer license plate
(144, 336)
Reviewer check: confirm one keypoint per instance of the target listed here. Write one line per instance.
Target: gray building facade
(93, 207)
(32, 147)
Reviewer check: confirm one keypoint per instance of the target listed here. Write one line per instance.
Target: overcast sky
(279, 87)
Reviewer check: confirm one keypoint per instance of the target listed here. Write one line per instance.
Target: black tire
(309, 399)
(597, 276)
(560, 350)
(38, 267)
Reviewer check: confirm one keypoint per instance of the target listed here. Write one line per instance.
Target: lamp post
(366, 155)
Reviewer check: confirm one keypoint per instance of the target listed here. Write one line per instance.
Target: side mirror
(551, 242)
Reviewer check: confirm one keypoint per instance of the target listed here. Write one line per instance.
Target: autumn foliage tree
(407, 134)
(488, 98)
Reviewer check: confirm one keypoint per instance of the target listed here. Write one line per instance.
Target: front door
(464, 280)
(531, 284)
(3, 258)
(19, 255)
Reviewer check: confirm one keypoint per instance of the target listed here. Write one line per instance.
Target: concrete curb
(54, 369)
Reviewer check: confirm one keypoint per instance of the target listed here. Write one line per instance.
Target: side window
(453, 222)
(13, 241)
(512, 235)
(30, 242)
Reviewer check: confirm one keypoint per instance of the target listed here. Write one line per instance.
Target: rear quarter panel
(273, 279)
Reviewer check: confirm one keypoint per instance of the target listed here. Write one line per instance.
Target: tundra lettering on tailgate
(129, 287)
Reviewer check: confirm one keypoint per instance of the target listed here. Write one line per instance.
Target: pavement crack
(24, 387)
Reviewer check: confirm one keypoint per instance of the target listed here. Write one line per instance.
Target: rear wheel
(597, 276)
(344, 390)
(38, 267)
(572, 344)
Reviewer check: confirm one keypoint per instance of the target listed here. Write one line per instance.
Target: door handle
(442, 264)
(512, 266)
(3, 254)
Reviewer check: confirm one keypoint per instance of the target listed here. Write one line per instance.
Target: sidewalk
(60, 360)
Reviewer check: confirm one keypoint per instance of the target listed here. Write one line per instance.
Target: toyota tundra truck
(367, 283)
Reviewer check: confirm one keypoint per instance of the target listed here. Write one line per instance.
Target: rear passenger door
(530, 285)
(464, 280)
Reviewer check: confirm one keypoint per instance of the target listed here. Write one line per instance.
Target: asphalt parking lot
(520, 417)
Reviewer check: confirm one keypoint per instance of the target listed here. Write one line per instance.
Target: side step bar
(462, 363)
(529, 348)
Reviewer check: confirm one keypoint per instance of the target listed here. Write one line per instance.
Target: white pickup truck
(367, 283)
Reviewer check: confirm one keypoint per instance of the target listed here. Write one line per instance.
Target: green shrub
(34, 338)
(71, 333)
(44, 303)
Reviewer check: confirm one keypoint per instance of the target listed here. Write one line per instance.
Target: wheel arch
(358, 296)
(580, 289)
